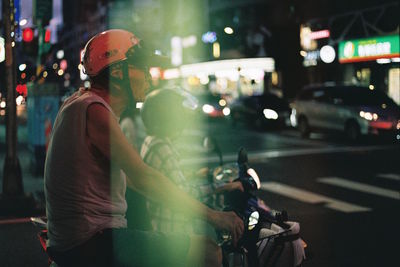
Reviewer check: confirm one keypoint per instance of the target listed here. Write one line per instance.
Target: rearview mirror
(212, 146)
(208, 143)
(242, 156)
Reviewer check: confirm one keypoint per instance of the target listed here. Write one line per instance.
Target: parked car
(354, 110)
(266, 110)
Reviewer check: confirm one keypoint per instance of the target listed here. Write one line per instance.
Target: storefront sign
(320, 34)
(311, 58)
(369, 49)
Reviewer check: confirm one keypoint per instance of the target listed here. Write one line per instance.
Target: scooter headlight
(253, 174)
(253, 220)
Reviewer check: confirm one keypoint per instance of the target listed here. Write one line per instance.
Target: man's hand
(229, 187)
(230, 222)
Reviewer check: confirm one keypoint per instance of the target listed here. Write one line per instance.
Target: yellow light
(274, 78)
(303, 53)
(222, 102)
(216, 50)
(60, 72)
(371, 87)
(193, 81)
(45, 74)
(228, 30)
(55, 66)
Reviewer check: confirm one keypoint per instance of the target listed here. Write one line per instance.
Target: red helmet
(107, 48)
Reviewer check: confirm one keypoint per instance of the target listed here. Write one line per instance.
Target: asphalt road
(345, 196)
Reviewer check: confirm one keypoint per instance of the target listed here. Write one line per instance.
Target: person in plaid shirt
(164, 114)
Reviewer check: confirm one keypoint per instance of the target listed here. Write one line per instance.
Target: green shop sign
(369, 49)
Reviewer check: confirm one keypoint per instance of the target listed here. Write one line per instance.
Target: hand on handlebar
(229, 221)
(233, 186)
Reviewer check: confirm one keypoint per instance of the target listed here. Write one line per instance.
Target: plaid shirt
(160, 154)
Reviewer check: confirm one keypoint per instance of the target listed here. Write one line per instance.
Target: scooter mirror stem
(211, 144)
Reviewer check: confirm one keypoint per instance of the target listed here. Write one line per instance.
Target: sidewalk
(32, 185)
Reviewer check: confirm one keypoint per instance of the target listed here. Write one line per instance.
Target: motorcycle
(270, 238)
(41, 223)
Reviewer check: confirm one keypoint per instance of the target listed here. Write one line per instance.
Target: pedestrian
(89, 163)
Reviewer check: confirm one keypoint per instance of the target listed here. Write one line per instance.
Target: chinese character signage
(369, 49)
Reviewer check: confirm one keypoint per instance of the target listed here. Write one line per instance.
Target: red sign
(320, 34)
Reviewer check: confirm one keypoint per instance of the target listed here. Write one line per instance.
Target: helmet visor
(144, 57)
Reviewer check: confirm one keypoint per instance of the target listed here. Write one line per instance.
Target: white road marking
(257, 156)
(360, 187)
(391, 176)
(313, 198)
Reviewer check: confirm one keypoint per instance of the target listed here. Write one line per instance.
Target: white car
(354, 110)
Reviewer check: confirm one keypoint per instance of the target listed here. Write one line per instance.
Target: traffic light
(29, 42)
(32, 45)
(46, 45)
(27, 35)
(47, 36)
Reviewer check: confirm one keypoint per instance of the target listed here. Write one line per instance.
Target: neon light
(320, 34)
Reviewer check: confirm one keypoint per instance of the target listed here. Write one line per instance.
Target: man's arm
(105, 134)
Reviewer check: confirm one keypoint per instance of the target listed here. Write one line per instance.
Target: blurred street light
(228, 30)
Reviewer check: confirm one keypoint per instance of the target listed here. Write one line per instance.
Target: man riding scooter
(89, 164)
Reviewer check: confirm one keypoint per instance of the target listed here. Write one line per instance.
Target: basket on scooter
(280, 247)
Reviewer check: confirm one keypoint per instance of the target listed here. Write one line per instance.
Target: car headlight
(270, 114)
(226, 111)
(208, 108)
(369, 116)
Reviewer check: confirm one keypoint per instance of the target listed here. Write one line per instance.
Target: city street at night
(344, 196)
(257, 133)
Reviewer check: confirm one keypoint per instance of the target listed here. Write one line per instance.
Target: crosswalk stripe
(391, 176)
(360, 187)
(313, 198)
(260, 156)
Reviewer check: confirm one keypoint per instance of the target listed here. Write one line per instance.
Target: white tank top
(84, 192)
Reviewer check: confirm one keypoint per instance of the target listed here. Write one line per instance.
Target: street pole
(12, 177)
(13, 201)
